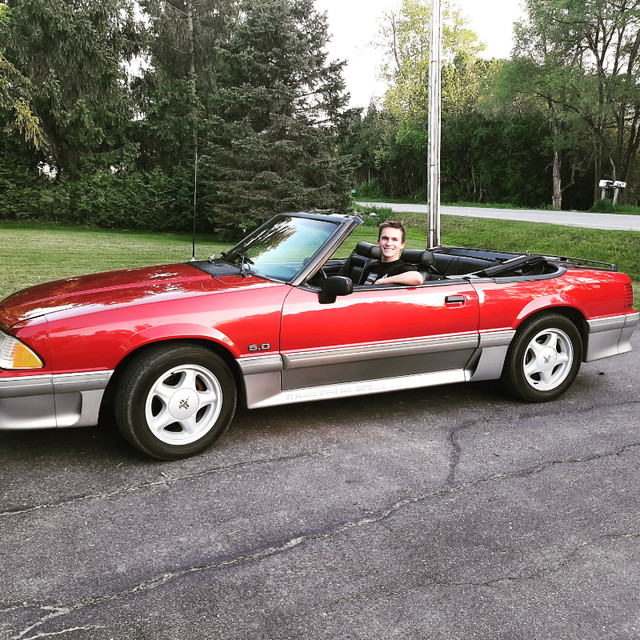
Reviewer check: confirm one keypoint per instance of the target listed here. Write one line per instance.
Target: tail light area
(628, 296)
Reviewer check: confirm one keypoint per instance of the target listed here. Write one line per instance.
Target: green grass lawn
(31, 253)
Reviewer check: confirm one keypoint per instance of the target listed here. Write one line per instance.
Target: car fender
(506, 305)
(177, 332)
(556, 302)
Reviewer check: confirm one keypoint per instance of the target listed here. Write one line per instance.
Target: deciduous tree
(405, 38)
(588, 58)
(15, 94)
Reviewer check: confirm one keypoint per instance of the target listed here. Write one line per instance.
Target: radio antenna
(195, 196)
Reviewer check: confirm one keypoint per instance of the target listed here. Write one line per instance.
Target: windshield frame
(240, 254)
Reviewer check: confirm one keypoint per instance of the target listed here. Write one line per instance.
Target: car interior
(442, 263)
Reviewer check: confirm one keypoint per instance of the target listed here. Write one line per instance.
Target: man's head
(391, 238)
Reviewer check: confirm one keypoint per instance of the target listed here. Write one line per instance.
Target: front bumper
(51, 401)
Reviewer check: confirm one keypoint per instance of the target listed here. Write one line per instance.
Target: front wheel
(174, 400)
(544, 359)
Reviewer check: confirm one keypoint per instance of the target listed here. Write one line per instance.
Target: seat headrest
(417, 256)
(368, 250)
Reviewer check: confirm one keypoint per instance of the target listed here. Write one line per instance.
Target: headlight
(16, 355)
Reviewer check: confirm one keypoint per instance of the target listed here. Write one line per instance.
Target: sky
(354, 25)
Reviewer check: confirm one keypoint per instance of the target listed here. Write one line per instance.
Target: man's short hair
(394, 225)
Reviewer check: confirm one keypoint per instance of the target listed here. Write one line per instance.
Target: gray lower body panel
(351, 371)
(50, 401)
(610, 336)
(374, 362)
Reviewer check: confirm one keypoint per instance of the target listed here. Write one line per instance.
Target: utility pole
(192, 78)
(435, 114)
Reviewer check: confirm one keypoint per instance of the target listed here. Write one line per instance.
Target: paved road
(607, 221)
(440, 514)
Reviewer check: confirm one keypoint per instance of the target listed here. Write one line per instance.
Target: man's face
(391, 244)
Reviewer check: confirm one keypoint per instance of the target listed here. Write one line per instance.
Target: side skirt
(348, 389)
(263, 376)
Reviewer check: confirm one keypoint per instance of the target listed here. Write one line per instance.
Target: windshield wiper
(222, 254)
(236, 258)
(245, 261)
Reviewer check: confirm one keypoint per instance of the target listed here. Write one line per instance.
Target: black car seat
(423, 261)
(361, 257)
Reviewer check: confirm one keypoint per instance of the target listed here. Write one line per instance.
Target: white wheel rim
(183, 404)
(548, 359)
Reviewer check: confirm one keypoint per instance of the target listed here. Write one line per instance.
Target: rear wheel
(544, 359)
(174, 400)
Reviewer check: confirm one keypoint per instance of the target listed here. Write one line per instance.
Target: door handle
(454, 300)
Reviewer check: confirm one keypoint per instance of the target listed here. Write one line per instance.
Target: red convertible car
(279, 319)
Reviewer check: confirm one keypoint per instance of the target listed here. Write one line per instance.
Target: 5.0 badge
(260, 347)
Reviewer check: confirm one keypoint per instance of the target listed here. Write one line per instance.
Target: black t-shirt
(378, 269)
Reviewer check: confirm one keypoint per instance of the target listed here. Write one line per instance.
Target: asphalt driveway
(444, 513)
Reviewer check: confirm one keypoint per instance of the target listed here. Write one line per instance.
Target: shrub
(373, 216)
(371, 189)
(603, 206)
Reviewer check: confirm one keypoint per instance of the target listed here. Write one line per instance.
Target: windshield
(280, 249)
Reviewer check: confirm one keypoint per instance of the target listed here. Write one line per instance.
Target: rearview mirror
(333, 287)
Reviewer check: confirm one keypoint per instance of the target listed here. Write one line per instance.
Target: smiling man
(391, 269)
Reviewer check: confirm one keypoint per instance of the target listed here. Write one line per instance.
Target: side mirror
(333, 287)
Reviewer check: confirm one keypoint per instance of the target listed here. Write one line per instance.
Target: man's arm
(408, 277)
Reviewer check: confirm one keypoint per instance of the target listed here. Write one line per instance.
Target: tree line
(540, 129)
(111, 111)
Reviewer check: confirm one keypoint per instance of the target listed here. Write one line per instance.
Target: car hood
(124, 287)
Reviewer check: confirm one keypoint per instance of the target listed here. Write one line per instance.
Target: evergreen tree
(272, 143)
(245, 88)
(73, 53)
(179, 80)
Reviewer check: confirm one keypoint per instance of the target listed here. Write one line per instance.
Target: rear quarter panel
(506, 303)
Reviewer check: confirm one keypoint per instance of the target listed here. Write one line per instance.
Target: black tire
(173, 401)
(543, 359)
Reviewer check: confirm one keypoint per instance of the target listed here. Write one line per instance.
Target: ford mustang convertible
(284, 317)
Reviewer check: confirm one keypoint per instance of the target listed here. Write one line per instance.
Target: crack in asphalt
(535, 575)
(166, 481)
(456, 448)
(66, 632)
(550, 570)
(456, 452)
(295, 542)
(454, 460)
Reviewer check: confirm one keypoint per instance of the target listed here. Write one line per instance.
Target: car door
(379, 333)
